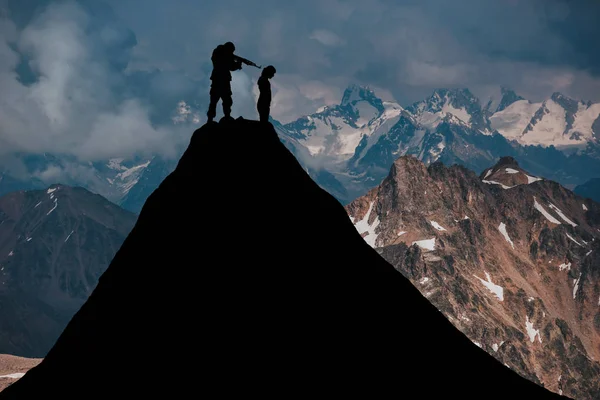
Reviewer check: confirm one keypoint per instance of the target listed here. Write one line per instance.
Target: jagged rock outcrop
(242, 275)
(54, 245)
(511, 259)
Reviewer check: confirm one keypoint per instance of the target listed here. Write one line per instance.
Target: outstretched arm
(236, 65)
(245, 61)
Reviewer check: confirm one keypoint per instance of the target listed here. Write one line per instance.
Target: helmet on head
(230, 46)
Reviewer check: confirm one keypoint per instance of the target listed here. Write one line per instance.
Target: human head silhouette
(269, 71)
(229, 46)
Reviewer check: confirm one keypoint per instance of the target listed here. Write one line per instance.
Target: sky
(97, 79)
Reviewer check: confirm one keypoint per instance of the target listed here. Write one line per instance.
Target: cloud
(326, 37)
(71, 173)
(94, 66)
(408, 47)
(80, 102)
(293, 96)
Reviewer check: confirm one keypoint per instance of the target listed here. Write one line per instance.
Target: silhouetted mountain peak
(295, 289)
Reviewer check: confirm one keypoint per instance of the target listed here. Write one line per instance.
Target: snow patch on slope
(363, 226)
(576, 285)
(545, 213)
(575, 241)
(55, 205)
(427, 244)
(16, 375)
(531, 179)
(562, 215)
(532, 332)
(437, 226)
(497, 183)
(564, 266)
(492, 287)
(502, 229)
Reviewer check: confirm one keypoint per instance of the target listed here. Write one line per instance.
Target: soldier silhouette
(264, 99)
(224, 61)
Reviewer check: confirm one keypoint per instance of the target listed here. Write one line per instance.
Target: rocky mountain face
(511, 259)
(300, 291)
(590, 189)
(54, 245)
(357, 141)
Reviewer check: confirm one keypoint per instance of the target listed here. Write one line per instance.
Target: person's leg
(227, 101)
(212, 108)
(263, 110)
(263, 114)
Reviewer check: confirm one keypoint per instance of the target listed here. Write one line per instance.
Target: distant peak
(569, 104)
(561, 98)
(458, 97)
(506, 160)
(441, 92)
(356, 92)
(507, 90)
(508, 97)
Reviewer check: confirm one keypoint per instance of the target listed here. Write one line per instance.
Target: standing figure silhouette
(224, 61)
(264, 99)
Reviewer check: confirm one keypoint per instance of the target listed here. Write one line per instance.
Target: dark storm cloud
(64, 86)
(407, 46)
(158, 51)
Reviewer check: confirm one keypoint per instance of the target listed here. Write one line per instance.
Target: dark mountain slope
(242, 275)
(590, 189)
(54, 245)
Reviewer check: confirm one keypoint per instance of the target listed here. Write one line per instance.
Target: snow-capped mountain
(336, 131)
(348, 148)
(152, 175)
(450, 126)
(460, 103)
(559, 121)
(508, 257)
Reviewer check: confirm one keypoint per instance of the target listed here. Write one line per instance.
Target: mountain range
(299, 298)
(54, 245)
(348, 148)
(511, 259)
(357, 141)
